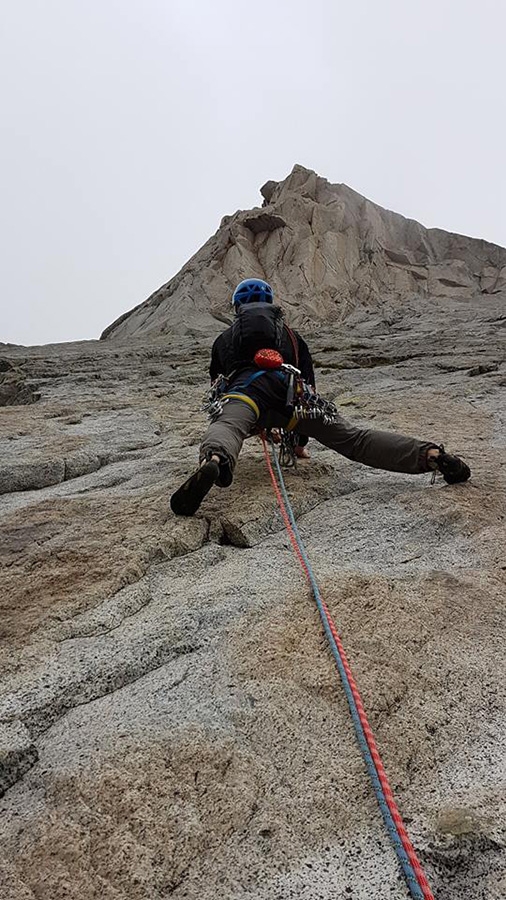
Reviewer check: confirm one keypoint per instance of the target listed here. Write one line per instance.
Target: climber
(252, 390)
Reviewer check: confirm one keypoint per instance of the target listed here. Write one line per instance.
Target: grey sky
(130, 127)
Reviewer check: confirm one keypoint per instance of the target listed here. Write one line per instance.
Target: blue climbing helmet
(252, 290)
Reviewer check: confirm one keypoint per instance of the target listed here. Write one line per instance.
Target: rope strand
(415, 877)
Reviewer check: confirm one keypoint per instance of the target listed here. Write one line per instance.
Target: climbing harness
(219, 395)
(302, 401)
(415, 877)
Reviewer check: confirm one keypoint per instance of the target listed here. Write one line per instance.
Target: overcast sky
(130, 127)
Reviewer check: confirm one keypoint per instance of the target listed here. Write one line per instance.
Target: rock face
(14, 389)
(330, 255)
(171, 724)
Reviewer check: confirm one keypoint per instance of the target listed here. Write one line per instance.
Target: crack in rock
(18, 751)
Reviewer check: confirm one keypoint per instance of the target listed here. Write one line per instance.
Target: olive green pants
(379, 449)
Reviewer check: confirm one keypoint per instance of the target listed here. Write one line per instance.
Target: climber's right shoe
(452, 468)
(226, 475)
(187, 499)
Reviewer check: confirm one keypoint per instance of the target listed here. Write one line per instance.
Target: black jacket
(222, 364)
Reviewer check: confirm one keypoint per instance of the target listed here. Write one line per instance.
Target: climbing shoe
(452, 468)
(226, 475)
(187, 499)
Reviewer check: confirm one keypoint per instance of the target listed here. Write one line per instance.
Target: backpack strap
(295, 344)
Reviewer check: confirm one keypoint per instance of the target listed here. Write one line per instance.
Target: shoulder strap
(295, 344)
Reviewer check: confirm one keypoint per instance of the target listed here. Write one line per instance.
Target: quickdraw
(308, 404)
(287, 456)
(212, 404)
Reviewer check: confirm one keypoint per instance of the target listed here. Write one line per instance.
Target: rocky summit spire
(329, 253)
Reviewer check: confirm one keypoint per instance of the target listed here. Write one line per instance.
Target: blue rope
(408, 870)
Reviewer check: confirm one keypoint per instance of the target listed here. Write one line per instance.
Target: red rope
(385, 784)
(392, 806)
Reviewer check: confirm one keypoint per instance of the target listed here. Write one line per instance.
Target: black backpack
(257, 326)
